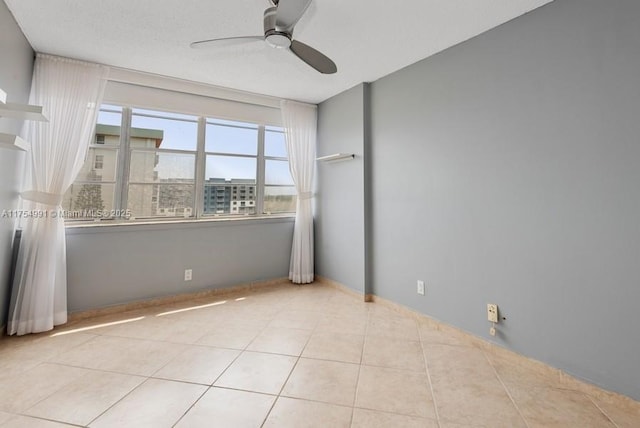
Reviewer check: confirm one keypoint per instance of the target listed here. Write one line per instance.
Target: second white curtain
(300, 124)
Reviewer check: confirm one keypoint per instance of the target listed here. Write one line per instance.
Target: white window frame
(126, 144)
(124, 153)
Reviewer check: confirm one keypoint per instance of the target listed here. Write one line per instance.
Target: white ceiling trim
(154, 98)
(141, 78)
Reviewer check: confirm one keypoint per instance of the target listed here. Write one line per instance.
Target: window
(231, 161)
(93, 191)
(171, 165)
(98, 162)
(279, 191)
(162, 164)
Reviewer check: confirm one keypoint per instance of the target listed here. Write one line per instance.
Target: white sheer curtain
(70, 93)
(300, 124)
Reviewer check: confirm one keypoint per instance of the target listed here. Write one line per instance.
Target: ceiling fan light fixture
(278, 40)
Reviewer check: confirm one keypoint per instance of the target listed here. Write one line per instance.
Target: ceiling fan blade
(289, 13)
(313, 57)
(227, 41)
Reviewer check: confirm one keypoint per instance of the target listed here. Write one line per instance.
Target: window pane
(88, 197)
(100, 165)
(274, 144)
(230, 168)
(277, 172)
(159, 167)
(279, 199)
(111, 107)
(161, 200)
(229, 196)
(230, 139)
(165, 133)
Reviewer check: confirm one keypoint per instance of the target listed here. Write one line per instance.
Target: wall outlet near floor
(492, 312)
(188, 274)
(421, 287)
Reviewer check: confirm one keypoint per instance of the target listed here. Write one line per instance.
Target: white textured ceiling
(367, 39)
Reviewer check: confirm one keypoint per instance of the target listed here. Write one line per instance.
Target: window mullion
(124, 163)
(260, 173)
(200, 168)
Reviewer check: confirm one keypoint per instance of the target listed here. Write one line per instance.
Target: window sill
(177, 222)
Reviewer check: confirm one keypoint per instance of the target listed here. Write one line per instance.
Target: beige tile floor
(284, 356)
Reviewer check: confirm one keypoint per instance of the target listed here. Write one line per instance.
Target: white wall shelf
(336, 157)
(17, 111)
(13, 142)
(22, 111)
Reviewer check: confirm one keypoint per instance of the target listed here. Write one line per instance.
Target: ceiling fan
(279, 21)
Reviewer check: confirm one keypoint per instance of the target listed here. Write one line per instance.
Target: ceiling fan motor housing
(277, 37)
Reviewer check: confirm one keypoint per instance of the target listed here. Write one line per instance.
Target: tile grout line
(151, 377)
(54, 392)
(602, 411)
(225, 369)
(210, 385)
(191, 407)
(397, 369)
(143, 378)
(44, 419)
(106, 371)
(426, 367)
(506, 389)
(245, 350)
(147, 378)
(264, 327)
(229, 388)
(264, 421)
(118, 401)
(309, 302)
(364, 343)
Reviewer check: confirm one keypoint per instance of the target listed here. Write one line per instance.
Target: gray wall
(119, 264)
(16, 63)
(340, 202)
(505, 170)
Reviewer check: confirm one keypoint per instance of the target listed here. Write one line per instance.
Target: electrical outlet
(188, 274)
(421, 287)
(492, 312)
